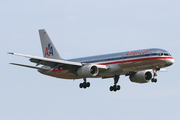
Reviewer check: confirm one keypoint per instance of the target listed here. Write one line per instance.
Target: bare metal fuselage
(119, 63)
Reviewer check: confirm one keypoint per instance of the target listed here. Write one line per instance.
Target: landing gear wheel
(80, 85)
(154, 80)
(84, 84)
(114, 88)
(88, 84)
(118, 87)
(111, 88)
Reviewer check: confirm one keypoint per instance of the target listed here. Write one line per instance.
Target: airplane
(140, 65)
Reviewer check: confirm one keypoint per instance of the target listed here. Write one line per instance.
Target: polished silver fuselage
(120, 63)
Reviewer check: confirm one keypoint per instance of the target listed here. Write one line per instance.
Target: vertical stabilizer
(48, 48)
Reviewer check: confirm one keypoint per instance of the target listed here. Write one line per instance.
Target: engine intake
(88, 71)
(141, 77)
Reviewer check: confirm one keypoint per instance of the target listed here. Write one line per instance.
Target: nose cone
(169, 62)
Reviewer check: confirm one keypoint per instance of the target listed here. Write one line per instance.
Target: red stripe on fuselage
(135, 60)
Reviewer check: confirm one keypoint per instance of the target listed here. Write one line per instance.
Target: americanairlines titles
(141, 52)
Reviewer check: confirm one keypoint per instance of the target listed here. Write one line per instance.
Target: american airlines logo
(49, 50)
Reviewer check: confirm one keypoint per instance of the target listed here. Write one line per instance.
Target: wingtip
(10, 53)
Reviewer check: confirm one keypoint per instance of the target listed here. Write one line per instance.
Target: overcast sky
(81, 28)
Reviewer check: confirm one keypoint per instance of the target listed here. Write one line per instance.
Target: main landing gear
(84, 84)
(154, 79)
(115, 87)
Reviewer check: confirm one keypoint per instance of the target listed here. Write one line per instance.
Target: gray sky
(83, 28)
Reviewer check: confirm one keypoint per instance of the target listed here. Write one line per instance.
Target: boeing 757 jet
(140, 65)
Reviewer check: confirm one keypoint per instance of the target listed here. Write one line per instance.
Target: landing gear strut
(84, 84)
(115, 87)
(154, 75)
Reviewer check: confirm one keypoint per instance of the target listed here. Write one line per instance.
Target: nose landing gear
(154, 79)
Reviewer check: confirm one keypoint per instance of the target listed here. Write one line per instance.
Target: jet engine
(141, 77)
(88, 71)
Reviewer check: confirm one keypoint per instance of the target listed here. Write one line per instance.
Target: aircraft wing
(54, 63)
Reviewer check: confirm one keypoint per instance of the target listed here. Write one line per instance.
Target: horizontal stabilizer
(34, 67)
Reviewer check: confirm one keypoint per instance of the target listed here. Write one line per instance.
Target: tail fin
(48, 48)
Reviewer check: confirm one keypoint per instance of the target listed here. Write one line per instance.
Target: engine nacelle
(141, 77)
(88, 71)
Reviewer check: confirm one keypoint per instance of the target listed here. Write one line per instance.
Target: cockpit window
(163, 54)
(166, 54)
